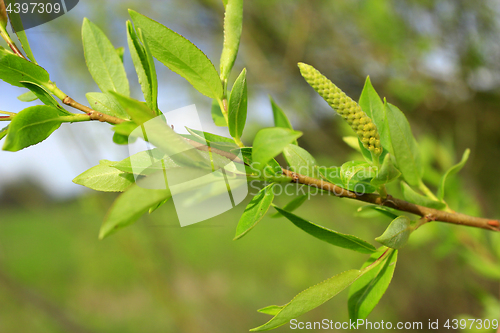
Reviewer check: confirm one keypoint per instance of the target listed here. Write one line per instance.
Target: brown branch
(429, 213)
(94, 115)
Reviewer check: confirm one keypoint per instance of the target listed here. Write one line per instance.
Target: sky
(76, 147)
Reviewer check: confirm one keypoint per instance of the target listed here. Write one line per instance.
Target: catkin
(345, 106)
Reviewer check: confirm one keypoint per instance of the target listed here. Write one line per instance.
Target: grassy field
(56, 276)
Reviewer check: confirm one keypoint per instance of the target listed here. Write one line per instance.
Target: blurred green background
(437, 60)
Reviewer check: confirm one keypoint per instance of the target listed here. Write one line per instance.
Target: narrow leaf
(145, 162)
(333, 237)
(137, 111)
(43, 95)
(144, 67)
(31, 126)
(130, 205)
(17, 26)
(104, 177)
(269, 142)
(103, 62)
(300, 161)
(404, 147)
(211, 138)
(238, 105)
(373, 106)
(293, 204)
(180, 55)
(120, 139)
(233, 22)
(107, 104)
(353, 142)
(3, 132)
(280, 118)
(27, 97)
(14, 69)
(311, 298)
(271, 310)
(397, 233)
(217, 115)
(366, 292)
(411, 196)
(451, 171)
(387, 172)
(255, 211)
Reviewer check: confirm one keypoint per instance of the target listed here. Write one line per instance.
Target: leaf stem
(422, 187)
(11, 43)
(94, 115)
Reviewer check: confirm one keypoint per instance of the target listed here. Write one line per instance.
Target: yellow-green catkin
(345, 106)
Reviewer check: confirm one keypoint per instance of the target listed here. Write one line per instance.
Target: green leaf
(145, 162)
(144, 67)
(125, 128)
(370, 211)
(300, 161)
(155, 207)
(180, 55)
(292, 205)
(105, 178)
(280, 118)
(269, 142)
(131, 204)
(387, 172)
(31, 126)
(211, 138)
(14, 69)
(17, 26)
(311, 298)
(120, 139)
(411, 196)
(3, 132)
(451, 171)
(397, 233)
(271, 310)
(373, 106)
(404, 147)
(335, 238)
(233, 22)
(217, 115)
(353, 142)
(356, 176)
(103, 62)
(271, 172)
(107, 104)
(366, 292)
(255, 211)
(27, 97)
(43, 95)
(152, 73)
(120, 51)
(137, 111)
(238, 105)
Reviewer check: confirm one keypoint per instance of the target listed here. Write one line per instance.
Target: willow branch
(429, 213)
(94, 115)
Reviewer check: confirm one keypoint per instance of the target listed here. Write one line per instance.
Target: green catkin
(345, 106)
